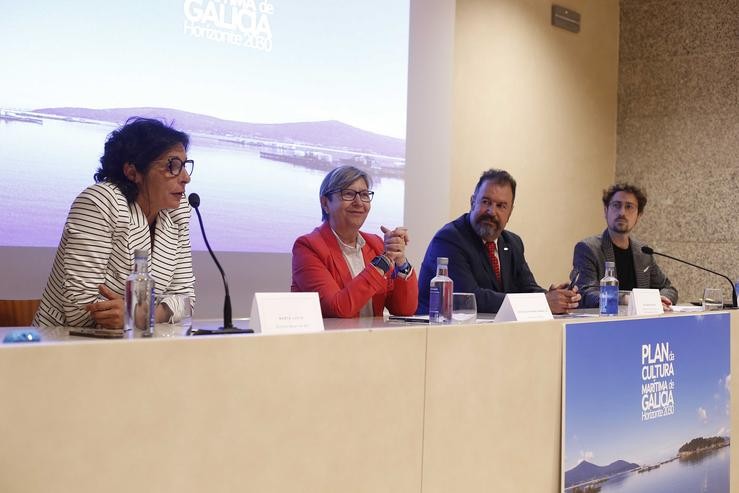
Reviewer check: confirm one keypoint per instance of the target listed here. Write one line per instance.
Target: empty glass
(713, 299)
(623, 296)
(464, 307)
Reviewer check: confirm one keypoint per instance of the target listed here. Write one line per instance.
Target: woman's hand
(395, 242)
(107, 314)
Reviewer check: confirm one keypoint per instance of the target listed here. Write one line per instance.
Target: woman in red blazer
(354, 273)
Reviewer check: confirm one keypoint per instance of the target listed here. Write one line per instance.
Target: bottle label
(609, 300)
(434, 303)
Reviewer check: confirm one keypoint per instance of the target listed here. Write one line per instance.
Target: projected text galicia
(235, 22)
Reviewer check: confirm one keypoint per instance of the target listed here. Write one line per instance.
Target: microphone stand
(228, 327)
(650, 251)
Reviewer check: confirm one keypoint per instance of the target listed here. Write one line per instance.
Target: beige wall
(428, 134)
(678, 132)
(540, 102)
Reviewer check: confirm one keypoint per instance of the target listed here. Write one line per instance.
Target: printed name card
(645, 302)
(524, 307)
(286, 313)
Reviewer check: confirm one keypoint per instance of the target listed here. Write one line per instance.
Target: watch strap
(382, 263)
(405, 268)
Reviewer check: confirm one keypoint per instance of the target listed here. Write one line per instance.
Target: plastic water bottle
(609, 291)
(140, 297)
(440, 294)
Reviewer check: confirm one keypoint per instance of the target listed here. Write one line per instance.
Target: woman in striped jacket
(138, 202)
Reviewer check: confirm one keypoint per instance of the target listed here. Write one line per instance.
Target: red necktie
(494, 260)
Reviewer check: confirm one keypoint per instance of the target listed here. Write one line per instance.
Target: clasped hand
(395, 242)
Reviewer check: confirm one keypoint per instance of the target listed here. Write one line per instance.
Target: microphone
(228, 327)
(649, 251)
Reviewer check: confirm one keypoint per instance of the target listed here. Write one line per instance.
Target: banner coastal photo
(647, 405)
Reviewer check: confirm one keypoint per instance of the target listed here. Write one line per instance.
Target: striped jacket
(97, 246)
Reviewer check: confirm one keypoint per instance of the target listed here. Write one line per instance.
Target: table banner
(646, 405)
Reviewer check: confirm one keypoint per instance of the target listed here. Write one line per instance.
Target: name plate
(645, 302)
(286, 313)
(524, 307)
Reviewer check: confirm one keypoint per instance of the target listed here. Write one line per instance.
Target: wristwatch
(382, 263)
(403, 269)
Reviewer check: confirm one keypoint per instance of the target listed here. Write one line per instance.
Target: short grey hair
(338, 179)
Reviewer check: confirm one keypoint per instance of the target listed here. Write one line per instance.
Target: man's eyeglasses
(349, 195)
(616, 206)
(175, 166)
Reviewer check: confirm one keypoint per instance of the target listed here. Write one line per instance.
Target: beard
(488, 232)
(621, 226)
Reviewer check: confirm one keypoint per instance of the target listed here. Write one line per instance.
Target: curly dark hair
(641, 197)
(139, 142)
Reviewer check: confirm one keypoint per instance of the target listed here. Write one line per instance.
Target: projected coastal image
(274, 93)
(647, 406)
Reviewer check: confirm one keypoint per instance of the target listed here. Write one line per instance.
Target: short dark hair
(339, 178)
(138, 142)
(641, 197)
(499, 177)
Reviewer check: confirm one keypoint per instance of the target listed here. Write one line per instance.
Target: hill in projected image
(328, 135)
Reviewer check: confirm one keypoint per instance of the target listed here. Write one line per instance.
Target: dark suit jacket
(590, 257)
(319, 265)
(470, 269)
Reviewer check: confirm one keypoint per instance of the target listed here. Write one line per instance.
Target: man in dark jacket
(484, 259)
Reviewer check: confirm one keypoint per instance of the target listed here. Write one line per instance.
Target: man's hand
(561, 299)
(107, 314)
(666, 303)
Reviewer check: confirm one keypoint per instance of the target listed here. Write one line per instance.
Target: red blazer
(319, 265)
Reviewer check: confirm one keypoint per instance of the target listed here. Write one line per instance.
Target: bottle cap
(140, 253)
(442, 261)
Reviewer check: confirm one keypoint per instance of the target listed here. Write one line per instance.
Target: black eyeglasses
(349, 195)
(175, 166)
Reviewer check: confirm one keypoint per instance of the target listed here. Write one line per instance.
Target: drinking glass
(713, 299)
(623, 296)
(464, 307)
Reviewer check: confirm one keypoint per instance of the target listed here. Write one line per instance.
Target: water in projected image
(708, 473)
(248, 203)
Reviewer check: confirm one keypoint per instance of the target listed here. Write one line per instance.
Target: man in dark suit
(484, 259)
(623, 206)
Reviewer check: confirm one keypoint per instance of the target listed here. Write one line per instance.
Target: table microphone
(649, 251)
(228, 328)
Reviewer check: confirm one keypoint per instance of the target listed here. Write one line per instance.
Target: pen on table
(408, 320)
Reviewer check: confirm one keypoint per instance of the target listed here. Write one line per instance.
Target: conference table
(378, 406)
